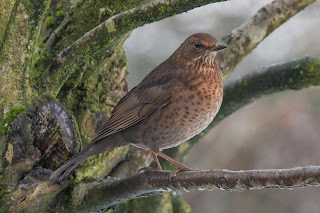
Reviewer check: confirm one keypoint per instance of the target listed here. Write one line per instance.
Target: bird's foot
(173, 173)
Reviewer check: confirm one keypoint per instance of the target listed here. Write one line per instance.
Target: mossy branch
(245, 38)
(93, 44)
(110, 192)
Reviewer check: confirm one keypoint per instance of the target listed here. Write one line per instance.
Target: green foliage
(12, 114)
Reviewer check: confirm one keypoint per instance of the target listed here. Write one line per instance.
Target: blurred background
(278, 131)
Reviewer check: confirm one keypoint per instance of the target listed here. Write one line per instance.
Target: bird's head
(199, 46)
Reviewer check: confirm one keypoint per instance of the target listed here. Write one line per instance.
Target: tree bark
(105, 193)
(17, 46)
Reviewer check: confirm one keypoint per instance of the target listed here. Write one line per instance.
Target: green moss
(84, 17)
(5, 12)
(311, 72)
(60, 13)
(38, 63)
(49, 22)
(16, 52)
(85, 93)
(11, 115)
(100, 165)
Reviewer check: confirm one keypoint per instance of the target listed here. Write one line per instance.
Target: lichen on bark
(41, 138)
(6, 7)
(15, 55)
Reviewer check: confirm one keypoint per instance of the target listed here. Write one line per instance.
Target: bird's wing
(153, 93)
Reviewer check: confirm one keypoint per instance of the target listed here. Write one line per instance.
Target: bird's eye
(197, 45)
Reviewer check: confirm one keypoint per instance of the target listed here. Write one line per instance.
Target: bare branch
(93, 43)
(106, 193)
(245, 38)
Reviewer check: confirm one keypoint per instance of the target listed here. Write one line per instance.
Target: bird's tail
(95, 147)
(65, 169)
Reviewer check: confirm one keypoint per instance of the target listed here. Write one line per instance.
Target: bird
(176, 101)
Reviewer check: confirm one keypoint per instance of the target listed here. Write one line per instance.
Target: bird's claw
(173, 173)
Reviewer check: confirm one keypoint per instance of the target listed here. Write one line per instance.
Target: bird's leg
(181, 167)
(157, 165)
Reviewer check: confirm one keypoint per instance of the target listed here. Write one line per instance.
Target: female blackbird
(173, 103)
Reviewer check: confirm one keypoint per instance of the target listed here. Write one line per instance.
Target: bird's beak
(220, 46)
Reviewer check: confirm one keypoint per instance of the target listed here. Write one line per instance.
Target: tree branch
(93, 43)
(112, 191)
(298, 74)
(245, 38)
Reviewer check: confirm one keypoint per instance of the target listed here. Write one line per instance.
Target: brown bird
(173, 103)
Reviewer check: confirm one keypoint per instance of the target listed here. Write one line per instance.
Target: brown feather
(140, 103)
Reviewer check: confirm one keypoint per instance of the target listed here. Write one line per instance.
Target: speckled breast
(192, 107)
